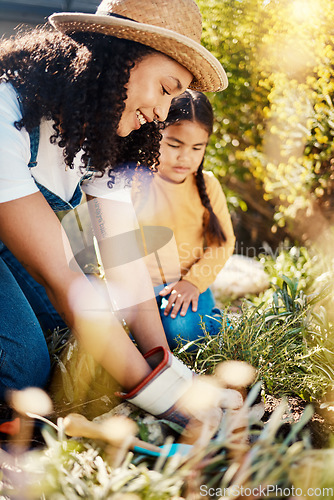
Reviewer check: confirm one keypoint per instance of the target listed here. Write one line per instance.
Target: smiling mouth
(180, 169)
(141, 118)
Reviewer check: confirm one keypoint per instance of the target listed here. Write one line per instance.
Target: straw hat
(173, 27)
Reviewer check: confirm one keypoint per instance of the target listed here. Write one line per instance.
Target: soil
(320, 427)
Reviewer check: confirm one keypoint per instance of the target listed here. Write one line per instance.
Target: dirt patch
(320, 428)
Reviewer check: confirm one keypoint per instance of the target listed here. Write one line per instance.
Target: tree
(272, 146)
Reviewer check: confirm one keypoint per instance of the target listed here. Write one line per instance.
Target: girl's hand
(182, 293)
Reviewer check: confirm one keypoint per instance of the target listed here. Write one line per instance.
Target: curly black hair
(79, 82)
(195, 107)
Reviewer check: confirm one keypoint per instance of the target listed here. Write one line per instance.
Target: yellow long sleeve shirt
(179, 207)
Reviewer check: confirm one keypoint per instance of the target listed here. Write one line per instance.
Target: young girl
(74, 101)
(191, 202)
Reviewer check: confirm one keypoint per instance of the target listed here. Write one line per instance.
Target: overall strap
(34, 142)
(33, 135)
(56, 203)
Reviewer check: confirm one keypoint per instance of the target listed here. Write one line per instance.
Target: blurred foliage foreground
(272, 146)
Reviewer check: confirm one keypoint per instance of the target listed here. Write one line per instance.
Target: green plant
(283, 339)
(294, 262)
(79, 383)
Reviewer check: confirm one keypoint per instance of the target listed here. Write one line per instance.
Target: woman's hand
(182, 293)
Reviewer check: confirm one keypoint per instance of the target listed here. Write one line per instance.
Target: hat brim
(209, 75)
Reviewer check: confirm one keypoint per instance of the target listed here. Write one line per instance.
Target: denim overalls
(55, 202)
(25, 310)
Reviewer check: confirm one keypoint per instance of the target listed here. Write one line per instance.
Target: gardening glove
(163, 391)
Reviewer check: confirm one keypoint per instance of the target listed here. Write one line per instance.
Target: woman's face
(153, 83)
(181, 150)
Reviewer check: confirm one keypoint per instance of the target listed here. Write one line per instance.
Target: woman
(85, 93)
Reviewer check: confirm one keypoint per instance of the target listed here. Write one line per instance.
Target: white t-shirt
(113, 185)
(16, 179)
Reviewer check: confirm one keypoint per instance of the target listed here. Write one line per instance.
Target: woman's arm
(129, 284)
(33, 233)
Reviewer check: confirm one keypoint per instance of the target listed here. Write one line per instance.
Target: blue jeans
(25, 312)
(183, 329)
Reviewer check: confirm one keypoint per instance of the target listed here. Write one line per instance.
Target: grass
(288, 343)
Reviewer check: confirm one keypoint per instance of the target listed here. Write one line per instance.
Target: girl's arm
(33, 233)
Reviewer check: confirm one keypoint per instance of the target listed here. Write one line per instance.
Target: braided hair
(195, 106)
(79, 82)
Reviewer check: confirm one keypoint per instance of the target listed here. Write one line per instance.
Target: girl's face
(153, 83)
(181, 151)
